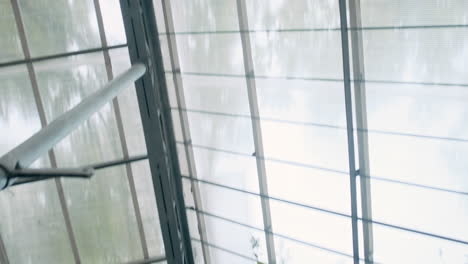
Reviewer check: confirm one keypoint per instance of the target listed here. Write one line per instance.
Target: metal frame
(189, 155)
(256, 128)
(361, 127)
(349, 126)
(121, 132)
(143, 43)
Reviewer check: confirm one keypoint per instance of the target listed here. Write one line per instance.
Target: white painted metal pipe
(40, 143)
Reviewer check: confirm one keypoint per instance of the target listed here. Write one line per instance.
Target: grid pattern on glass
(413, 57)
(52, 61)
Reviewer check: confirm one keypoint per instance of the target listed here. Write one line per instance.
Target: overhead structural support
(349, 127)
(256, 128)
(40, 143)
(361, 123)
(143, 44)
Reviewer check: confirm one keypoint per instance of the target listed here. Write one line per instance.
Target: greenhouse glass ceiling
(305, 131)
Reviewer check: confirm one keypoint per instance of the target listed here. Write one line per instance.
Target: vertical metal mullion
(178, 84)
(256, 128)
(123, 142)
(43, 120)
(361, 123)
(144, 46)
(349, 126)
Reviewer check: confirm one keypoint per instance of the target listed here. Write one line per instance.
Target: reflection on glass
(204, 15)
(101, 211)
(113, 23)
(54, 27)
(211, 53)
(148, 208)
(31, 214)
(10, 42)
(283, 14)
(415, 248)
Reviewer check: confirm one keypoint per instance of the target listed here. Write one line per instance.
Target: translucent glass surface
(318, 228)
(211, 53)
(10, 42)
(58, 26)
(415, 248)
(221, 132)
(216, 94)
(31, 214)
(205, 15)
(315, 55)
(113, 23)
(280, 14)
(148, 208)
(101, 211)
(413, 13)
(249, 242)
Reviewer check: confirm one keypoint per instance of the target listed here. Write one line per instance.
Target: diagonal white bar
(39, 144)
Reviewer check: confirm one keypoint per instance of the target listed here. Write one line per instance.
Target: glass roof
(268, 121)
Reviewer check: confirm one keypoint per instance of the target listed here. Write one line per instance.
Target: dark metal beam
(143, 43)
(61, 55)
(349, 126)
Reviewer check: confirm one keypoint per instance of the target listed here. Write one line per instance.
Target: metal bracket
(30, 175)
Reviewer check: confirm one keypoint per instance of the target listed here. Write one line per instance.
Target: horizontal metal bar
(137, 158)
(285, 30)
(39, 144)
(118, 162)
(224, 249)
(327, 211)
(61, 55)
(322, 125)
(148, 260)
(274, 234)
(307, 78)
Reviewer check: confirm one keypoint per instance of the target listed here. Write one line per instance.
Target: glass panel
(413, 13)
(221, 132)
(204, 15)
(10, 42)
(211, 53)
(32, 226)
(311, 55)
(414, 248)
(216, 94)
(59, 26)
(420, 209)
(292, 252)
(236, 171)
(148, 208)
(101, 210)
(242, 240)
(280, 14)
(113, 23)
(402, 55)
(319, 228)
